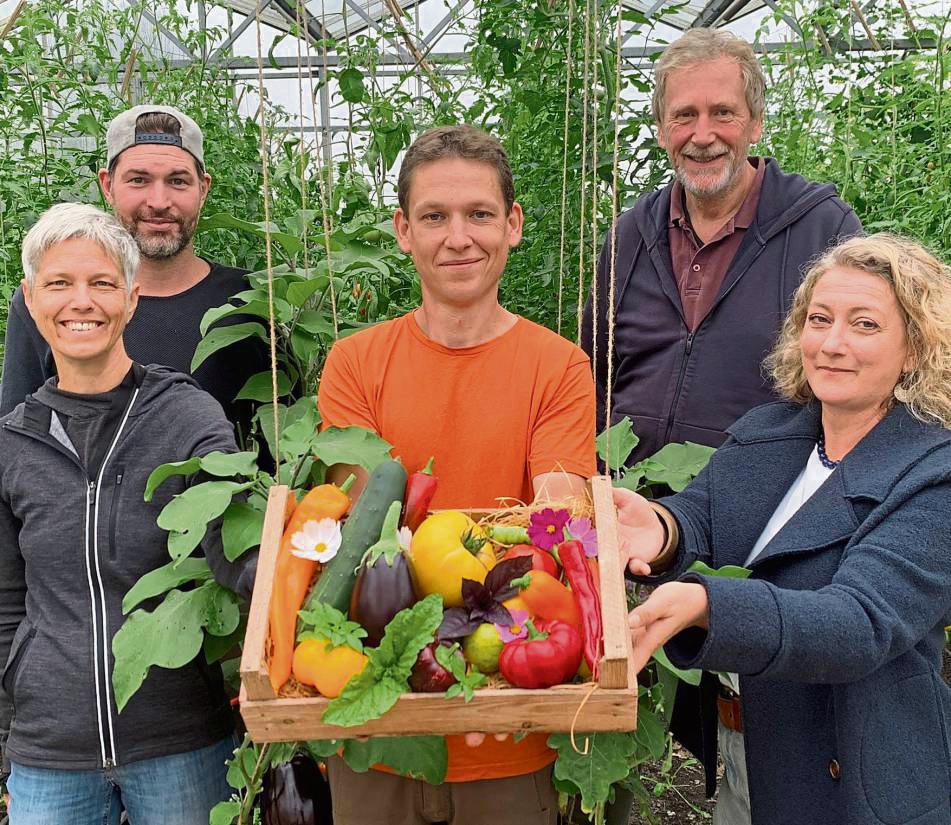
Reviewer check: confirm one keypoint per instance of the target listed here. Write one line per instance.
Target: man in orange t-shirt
(505, 406)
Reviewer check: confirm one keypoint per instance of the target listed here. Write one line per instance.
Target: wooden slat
(254, 677)
(614, 666)
(416, 714)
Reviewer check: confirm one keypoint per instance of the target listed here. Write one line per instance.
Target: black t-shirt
(162, 331)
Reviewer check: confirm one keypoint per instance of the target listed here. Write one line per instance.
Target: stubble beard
(161, 247)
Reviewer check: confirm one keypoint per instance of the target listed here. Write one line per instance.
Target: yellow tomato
(447, 548)
(325, 667)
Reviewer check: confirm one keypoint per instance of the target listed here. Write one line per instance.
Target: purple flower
(581, 529)
(547, 527)
(517, 630)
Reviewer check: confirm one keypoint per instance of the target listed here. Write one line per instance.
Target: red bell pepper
(550, 655)
(588, 599)
(541, 560)
(420, 490)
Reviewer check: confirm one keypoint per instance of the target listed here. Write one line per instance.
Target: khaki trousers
(377, 798)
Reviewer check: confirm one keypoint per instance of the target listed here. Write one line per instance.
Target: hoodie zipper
(680, 385)
(101, 670)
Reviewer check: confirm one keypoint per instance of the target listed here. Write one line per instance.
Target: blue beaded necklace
(824, 459)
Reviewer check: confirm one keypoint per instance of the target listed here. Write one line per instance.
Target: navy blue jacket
(678, 385)
(838, 634)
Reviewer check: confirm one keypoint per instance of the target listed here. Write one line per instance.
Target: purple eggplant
(428, 675)
(384, 586)
(296, 793)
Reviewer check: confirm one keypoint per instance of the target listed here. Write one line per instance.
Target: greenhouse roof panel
(684, 15)
(339, 18)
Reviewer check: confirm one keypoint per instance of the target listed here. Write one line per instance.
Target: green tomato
(482, 648)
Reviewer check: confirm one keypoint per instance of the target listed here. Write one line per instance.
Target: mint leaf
(376, 689)
(330, 624)
(468, 679)
(608, 761)
(419, 757)
(614, 445)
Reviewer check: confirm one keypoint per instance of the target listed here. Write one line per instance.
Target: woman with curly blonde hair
(837, 499)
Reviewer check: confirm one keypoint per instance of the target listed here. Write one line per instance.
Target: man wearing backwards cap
(156, 182)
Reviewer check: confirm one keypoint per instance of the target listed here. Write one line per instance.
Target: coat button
(835, 770)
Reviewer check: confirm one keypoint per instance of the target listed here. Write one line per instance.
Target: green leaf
(224, 813)
(241, 528)
(299, 292)
(256, 307)
(322, 748)
(614, 445)
(170, 636)
(675, 464)
(351, 445)
(222, 613)
(164, 471)
(607, 761)
(264, 417)
(691, 677)
(419, 757)
(351, 85)
(187, 515)
(468, 678)
(315, 322)
(216, 647)
(87, 124)
(259, 387)
(299, 437)
(166, 577)
(376, 689)
(650, 734)
(241, 765)
(728, 571)
(221, 337)
(326, 622)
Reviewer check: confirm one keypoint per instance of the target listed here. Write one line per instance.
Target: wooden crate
(609, 706)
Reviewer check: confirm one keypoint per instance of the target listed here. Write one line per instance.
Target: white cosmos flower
(318, 541)
(405, 537)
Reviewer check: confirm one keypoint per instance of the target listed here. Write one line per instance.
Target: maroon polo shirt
(701, 267)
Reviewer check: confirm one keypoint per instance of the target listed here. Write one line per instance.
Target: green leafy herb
(468, 677)
(329, 623)
(377, 688)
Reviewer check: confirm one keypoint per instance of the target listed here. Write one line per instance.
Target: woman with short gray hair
(76, 534)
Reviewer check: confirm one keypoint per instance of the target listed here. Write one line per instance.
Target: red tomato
(541, 559)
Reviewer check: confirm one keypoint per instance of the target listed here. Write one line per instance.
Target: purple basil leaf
(499, 614)
(503, 573)
(456, 623)
(471, 593)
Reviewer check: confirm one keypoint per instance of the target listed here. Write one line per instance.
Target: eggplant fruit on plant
(296, 793)
(384, 585)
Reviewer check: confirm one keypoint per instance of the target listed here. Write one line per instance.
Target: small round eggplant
(296, 793)
(380, 592)
(428, 675)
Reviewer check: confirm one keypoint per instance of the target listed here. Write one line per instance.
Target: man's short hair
(66, 221)
(698, 46)
(162, 120)
(464, 142)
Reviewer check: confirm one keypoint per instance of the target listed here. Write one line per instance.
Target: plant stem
(254, 784)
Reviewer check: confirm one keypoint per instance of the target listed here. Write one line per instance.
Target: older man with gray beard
(156, 182)
(705, 270)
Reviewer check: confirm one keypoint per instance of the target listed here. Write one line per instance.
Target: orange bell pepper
(546, 598)
(293, 575)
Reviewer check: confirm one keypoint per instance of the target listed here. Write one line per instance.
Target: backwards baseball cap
(121, 133)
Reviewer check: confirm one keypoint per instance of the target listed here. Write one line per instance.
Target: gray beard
(718, 191)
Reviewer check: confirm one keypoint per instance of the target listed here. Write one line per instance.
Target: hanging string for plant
(303, 150)
(615, 203)
(265, 185)
(586, 70)
(595, 113)
(569, 54)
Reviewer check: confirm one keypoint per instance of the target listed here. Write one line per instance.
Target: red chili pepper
(420, 490)
(549, 656)
(585, 592)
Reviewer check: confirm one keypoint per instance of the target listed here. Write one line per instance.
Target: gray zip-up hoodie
(70, 548)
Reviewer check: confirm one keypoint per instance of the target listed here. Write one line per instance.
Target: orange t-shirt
(494, 416)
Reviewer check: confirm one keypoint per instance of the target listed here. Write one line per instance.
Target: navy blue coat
(838, 634)
(681, 385)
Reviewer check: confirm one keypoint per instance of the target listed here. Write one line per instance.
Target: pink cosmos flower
(516, 630)
(582, 530)
(547, 527)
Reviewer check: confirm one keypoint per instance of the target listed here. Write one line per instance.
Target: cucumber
(386, 484)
